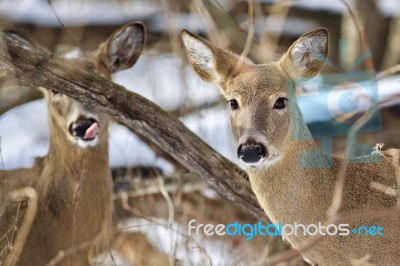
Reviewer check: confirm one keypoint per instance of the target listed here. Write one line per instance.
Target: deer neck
(296, 179)
(72, 174)
(75, 189)
(68, 159)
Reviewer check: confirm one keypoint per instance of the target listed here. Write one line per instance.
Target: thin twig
(387, 72)
(384, 189)
(338, 190)
(250, 33)
(75, 202)
(186, 188)
(280, 9)
(63, 26)
(369, 63)
(63, 254)
(167, 198)
(19, 195)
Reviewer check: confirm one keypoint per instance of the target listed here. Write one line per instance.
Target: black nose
(251, 153)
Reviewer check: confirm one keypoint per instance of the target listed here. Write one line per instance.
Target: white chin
(87, 143)
(264, 163)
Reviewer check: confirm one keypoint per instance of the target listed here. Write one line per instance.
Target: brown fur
(73, 183)
(137, 250)
(287, 191)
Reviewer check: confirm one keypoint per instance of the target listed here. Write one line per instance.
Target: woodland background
(163, 195)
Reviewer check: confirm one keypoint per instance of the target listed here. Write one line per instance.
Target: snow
(75, 12)
(361, 95)
(117, 12)
(190, 249)
(20, 146)
(389, 8)
(163, 80)
(169, 89)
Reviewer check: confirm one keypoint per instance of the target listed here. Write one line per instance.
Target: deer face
(84, 125)
(81, 124)
(257, 95)
(259, 113)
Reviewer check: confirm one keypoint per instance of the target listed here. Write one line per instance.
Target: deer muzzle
(251, 152)
(85, 128)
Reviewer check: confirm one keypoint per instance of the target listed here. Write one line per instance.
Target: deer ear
(211, 63)
(19, 38)
(123, 47)
(307, 55)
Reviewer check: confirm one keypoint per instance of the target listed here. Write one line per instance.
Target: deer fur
(74, 180)
(292, 184)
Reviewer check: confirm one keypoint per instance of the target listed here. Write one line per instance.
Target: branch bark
(32, 67)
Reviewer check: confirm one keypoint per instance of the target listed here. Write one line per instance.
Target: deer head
(259, 96)
(270, 134)
(84, 125)
(73, 181)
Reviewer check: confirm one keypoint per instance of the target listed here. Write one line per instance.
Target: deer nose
(251, 153)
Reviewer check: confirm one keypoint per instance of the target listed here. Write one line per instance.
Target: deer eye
(233, 104)
(280, 103)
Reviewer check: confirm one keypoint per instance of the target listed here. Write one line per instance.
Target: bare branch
(384, 189)
(31, 67)
(19, 195)
(387, 72)
(235, 34)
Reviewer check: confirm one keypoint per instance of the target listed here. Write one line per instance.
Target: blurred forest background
(162, 195)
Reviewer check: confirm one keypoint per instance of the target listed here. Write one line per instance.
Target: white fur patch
(72, 117)
(200, 54)
(87, 143)
(202, 57)
(265, 162)
(308, 50)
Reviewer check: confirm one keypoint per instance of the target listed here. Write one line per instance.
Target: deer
(73, 221)
(292, 184)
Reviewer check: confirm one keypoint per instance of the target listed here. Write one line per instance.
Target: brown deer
(292, 184)
(73, 182)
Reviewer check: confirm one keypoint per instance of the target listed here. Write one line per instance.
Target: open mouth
(85, 128)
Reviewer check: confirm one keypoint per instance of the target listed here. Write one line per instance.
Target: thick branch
(38, 69)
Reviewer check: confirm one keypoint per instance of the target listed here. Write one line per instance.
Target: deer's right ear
(211, 63)
(306, 57)
(123, 48)
(21, 40)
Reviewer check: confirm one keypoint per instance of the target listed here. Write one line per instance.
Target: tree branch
(31, 67)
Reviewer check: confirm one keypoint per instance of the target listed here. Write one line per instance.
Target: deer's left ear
(212, 64)
(21, 40)
(123, 47)
(306, 57)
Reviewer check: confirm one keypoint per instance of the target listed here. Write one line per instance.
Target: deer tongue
(92, 131)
